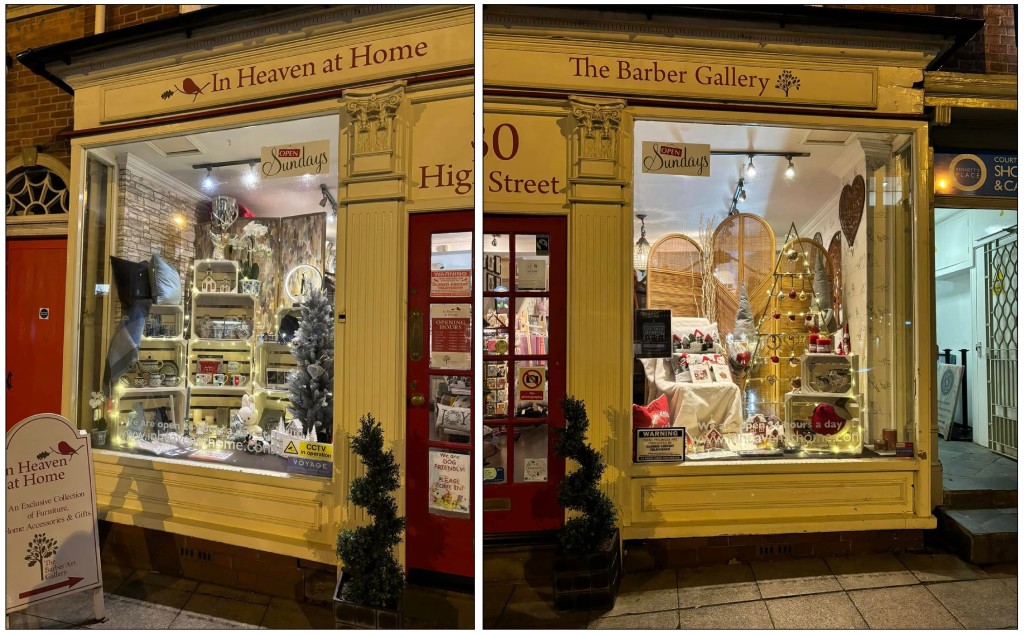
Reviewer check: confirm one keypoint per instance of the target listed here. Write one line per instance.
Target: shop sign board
(530, 384)
(659, 444)
(978, 174)
(950, 376)
(652, 333)
(449, 482)
(688, 160)
(451, 336)
(442, 150)
(322, 66)
(295, 160)
(669, 74)
(450, 283)
(52, 540)
(524, 159)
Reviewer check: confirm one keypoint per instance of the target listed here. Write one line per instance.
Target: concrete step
(980, 536)
(518, 564)
(979, 493)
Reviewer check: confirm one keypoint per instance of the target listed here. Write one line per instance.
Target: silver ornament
(315, 370)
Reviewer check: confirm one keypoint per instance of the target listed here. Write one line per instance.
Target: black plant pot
(588, 581)
(349, 615)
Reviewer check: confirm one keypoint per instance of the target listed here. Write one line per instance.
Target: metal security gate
(1000, 294)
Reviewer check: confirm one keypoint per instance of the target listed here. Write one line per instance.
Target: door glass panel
(495, 454)
(532, 326)
(495, 312)
(496, 269)
(496, 342)
(451, 265)
(532, 262)
(451, 336)
(450, 401)
(496, 393)
(531, 453)
(531, 384)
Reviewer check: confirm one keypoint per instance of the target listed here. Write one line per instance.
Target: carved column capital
(597, 125)
(372, 111)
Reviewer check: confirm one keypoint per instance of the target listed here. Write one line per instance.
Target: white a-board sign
(53, 545)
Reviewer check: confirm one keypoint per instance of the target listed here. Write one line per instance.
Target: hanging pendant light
(642, 248)
(751, 170)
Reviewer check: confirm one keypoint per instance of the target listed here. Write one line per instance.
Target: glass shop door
(524, 372)
(439, 404)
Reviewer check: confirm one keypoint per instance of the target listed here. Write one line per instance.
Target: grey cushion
(123, 350)
(166, 283)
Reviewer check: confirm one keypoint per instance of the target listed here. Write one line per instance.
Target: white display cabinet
(824, 423)
(828, 373)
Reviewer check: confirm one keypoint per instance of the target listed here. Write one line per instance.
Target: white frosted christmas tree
(311, 384)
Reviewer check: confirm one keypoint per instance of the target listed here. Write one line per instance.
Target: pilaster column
(600, 280)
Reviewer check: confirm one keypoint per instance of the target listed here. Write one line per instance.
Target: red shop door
(36, 271)
(524, 371)
(439, 388)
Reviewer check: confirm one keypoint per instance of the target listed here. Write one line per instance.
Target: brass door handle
(415, 397)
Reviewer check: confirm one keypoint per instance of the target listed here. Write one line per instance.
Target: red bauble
(775, 359)
(792, 293)
(776, 315)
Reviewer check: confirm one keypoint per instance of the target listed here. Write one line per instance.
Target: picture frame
(700, 372)
(721, 373)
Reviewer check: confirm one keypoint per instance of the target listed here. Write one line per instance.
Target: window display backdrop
(766, 363)
(199, 291)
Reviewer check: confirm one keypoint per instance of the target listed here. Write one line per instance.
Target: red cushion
(654, 415)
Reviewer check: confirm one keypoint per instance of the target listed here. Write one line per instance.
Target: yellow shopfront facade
(347, 126)
(582, 98)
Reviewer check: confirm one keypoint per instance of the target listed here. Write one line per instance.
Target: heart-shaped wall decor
(851, 208)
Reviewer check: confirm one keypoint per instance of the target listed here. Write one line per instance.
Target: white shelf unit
(165, 322)
(273, 363)
(172, 399)
(222, 274)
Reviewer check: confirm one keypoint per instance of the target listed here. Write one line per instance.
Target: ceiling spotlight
(250, 178)
(751, 170)
(208, 182)
(790, 170)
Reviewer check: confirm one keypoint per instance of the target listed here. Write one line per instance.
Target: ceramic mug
(203, 379)
(232, 366)
(238, 380)
(155, 379)
(140, 381)
(219, 379)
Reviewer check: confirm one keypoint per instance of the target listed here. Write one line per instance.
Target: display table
(690, 403)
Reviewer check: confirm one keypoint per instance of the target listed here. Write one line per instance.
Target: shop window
(788, 331)
(208, 265)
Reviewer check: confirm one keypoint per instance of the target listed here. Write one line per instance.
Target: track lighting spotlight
(208, 182)
(790, 170)
(751, 170)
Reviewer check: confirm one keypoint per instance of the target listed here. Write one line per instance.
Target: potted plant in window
(588, 563)
(99, 423)
(371, 581)
(251, 244)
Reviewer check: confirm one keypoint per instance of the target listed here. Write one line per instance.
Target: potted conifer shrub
(371, 582)
(588, 564)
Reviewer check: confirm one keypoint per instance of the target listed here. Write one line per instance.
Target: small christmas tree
(578, 491)
(367, 553)
(311, 385)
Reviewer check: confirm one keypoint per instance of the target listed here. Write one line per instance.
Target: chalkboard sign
(950, 376)
(652, 333)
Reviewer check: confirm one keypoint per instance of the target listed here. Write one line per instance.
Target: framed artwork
(701, 373)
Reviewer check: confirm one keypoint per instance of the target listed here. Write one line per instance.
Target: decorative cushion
(123, 350)
(654, 415)
(165, 282)
(684, 326)
(131, 280)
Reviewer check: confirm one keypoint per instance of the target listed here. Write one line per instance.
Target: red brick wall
(36, 109)
(992, 50)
